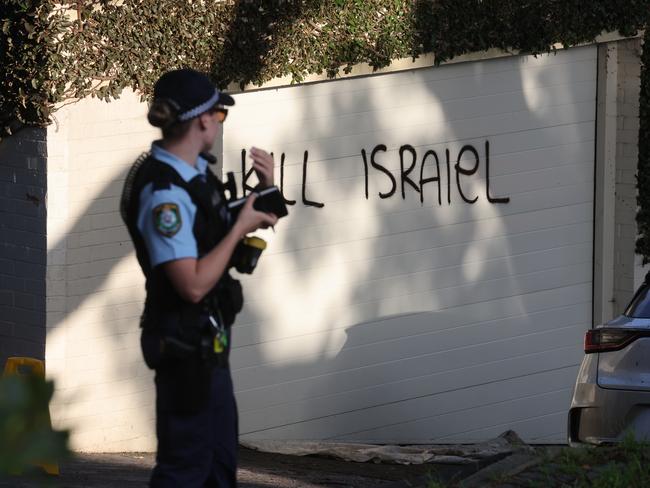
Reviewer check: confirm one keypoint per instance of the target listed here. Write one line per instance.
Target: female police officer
(175, 210)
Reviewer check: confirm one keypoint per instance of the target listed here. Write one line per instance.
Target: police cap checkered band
(191, 93)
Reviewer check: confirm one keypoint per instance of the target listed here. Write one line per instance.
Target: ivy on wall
(643, 170)
(27, 29)
(56, 50)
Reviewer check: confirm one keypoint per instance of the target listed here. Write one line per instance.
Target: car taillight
(603, 340)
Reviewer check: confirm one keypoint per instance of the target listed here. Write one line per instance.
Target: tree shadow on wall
(443, 378)
(395, 222)
(403, 234)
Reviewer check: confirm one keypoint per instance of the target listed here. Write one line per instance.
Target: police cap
(190, 92)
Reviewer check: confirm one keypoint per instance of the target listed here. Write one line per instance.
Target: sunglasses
(221, 112)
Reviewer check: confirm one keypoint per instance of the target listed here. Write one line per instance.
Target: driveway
(275, 464)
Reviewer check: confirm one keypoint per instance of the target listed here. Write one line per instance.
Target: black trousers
(197, 445)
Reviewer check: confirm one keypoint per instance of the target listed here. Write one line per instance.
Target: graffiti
(246, 174)
(430, 163)
(434, 170)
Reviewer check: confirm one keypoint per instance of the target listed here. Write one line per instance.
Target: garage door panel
(544, 131)
(423, 296)
(448, 328)
(428, 358)
(438, 286)
(431, 416)
(533, 428)
(435, 263)
(440, 279)
(371, 302)
(507, 162)
(385, 394)
(414, 107)
(414, 87)
(501, 163)
(349, 171)
(392, 212)
(248, 333)
(493, 246)
(351, 242)
(581, 61)
(383, 316)
(497, 417)
(431, 287)
(386, 295)
(493, 252)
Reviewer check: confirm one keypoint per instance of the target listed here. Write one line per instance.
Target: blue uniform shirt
(166, 217)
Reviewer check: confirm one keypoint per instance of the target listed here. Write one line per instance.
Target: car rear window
(640, 305)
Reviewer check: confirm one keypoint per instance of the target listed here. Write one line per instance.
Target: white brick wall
(626, 264)
(95, 288)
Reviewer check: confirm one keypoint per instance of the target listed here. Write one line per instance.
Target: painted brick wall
(22, 244)
(95, 287)
(625, 262)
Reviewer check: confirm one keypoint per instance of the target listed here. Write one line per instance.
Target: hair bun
(161, 113)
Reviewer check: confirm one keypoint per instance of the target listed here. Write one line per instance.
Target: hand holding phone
(269, 200)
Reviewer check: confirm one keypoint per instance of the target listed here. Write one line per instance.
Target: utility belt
(192, 331)
(186, 347)
(207, 341)
(185, 357)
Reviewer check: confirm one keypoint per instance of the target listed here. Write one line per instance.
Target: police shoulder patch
(167, 219)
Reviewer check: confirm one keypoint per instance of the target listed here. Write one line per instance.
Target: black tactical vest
(210, 226)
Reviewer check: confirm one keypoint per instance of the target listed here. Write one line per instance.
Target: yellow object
(255, 242)
(26, 367)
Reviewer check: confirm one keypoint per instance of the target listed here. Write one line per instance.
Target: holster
(175, 350)
(226, 299)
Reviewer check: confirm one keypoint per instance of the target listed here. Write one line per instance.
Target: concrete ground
(256, 470)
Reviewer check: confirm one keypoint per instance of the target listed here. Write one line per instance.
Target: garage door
(434, 278)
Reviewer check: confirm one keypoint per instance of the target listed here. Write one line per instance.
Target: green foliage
(54, 50)
(28, 29)
(26, 437)
(433, 483)
(432, 480)
(643, 173)
(625, 465)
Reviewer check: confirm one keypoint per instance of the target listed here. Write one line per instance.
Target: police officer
(175, 210)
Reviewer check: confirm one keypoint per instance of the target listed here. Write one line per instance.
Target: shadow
(370, 318)
(23, 243)
(394, 319)
(96, 470)
(93, 337)
(248, 50)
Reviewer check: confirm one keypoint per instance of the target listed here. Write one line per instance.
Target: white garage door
(434, 278)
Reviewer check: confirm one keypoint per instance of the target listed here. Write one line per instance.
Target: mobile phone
(269, 200)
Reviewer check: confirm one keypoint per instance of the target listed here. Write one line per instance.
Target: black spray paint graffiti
(430, 160)
(246, 174)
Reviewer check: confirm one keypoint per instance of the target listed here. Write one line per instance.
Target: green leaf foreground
(26, 436)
